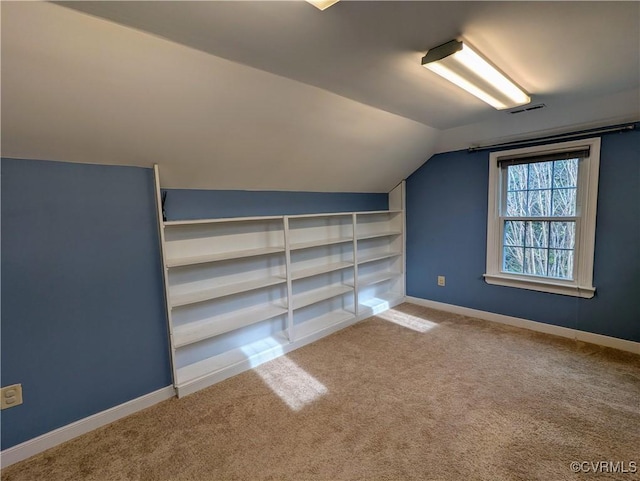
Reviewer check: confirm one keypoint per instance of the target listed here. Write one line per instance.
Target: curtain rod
(603, 130)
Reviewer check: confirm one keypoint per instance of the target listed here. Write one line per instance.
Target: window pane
(516, 204)
(540, 175)
(564, 202)
(514, 233)
(537, 234)
(517, 175)
(565, 173)
(513, 259)
(535, 261)
(563, 235)
(539, 202)
(561, 263)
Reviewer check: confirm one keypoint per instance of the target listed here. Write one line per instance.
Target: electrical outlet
(11, 396)
(441, 281)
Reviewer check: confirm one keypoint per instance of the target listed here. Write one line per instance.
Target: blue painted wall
(83, 320)
(206, 204)
(447, 232)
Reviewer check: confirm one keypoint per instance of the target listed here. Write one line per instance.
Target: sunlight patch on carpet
(407, 320)
(295, 386)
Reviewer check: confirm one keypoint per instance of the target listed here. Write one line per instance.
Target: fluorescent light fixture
(322, 4)
(461, 65)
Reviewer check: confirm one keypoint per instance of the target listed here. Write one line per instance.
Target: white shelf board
(377, 277)
(223, 291)
(319, 323)
(323, 269)
(255, 353)
(375, 212)
(316, 295)
(222, 256)
(172, 223)
(378, 257)
(378, 304)
(323, 214)
(320, 242)
(216, 325)
(379, 234)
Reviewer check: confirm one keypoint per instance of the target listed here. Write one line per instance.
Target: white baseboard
(607, 341)
(48, 440)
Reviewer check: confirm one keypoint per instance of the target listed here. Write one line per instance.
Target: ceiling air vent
(527, 109)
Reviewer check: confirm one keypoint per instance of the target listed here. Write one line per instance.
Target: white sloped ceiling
(81, 89)
(281, 96)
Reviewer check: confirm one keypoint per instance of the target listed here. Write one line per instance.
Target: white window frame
(586, 205)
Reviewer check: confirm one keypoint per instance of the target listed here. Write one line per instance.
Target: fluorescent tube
(461, 65)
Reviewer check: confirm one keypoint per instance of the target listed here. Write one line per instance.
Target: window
(542, 217)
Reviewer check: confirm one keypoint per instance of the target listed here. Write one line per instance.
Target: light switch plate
(11, 396)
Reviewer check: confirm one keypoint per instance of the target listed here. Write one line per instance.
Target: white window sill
(542, 285)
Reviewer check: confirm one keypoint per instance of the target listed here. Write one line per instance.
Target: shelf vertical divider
(165, 271)
(356, 308)
(287, 257)
(397, 201)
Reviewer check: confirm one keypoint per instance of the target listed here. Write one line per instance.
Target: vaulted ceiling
(282, 96)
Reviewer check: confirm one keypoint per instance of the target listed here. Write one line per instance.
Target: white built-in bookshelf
(242, 291)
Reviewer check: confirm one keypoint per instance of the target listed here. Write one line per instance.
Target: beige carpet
(431, 396)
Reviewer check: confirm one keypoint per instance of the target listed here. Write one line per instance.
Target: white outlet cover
(11, 396)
